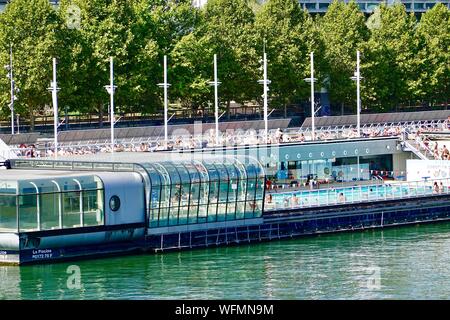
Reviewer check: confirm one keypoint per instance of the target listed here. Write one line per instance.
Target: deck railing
(355, 194)
(238, 138)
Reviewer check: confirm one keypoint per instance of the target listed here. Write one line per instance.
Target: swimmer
(435, 187)
(294, 200)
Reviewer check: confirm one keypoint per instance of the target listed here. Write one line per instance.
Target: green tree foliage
(343, 31)
(165, 23)
(192, 70)
(387, 59)
(290, 36)
(403, 61)
(433, 56)
(111, 28)
(229, 31)
(32, 27)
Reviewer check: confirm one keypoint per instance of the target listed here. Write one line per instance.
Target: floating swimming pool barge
(54, 210)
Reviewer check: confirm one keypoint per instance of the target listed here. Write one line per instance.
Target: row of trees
(404, 59)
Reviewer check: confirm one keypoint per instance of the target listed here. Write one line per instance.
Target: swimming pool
(367, 193)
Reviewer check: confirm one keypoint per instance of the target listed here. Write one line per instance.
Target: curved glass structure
(49, 204)
(213, 190)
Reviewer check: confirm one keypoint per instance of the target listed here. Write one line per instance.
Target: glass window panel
(195, 193)
(184, 215)
(165, 193)
(93, 210)
(71, 185)
(183, 173)
(212, 212)
(185, 193)
(193, 211)
(173, 173)
(202, 213)
(257, 213)
(221, 211)
(163, 217)
(204, 192)
(175, 198)
(232, 195)
(222, 198)
(250, 204)
(173, 215)
(259, 188)
(154, 174)
(212, 172)
(28, 212)
(212, 200)
(163, 174)
(223, 191)
(8, 213)
(154, 217)
(155, 197)
(203, 201)
(71, 209)
(44, 187)
(193, 172)
(242, 188)
(202, 171)
(49, 204)
(222, 172)
(193, 203)
(240, 210)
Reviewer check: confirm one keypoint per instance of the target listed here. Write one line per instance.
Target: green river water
(397, 263)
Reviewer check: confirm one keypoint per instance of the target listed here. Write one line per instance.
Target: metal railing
(241, 138)
(355, 194)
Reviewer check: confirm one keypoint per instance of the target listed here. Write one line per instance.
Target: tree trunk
(228, 110)
(32, 120)
(342, 108)
(100, 116)
(285, 111)
(203, 112)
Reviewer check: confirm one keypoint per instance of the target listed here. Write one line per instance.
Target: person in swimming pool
(294, 200)
(435, 187)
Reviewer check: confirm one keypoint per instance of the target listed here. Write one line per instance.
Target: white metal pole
(165, 103)
(358, 100)
(265, 82)
(12, 88)
(111, 93)
(265, 98)
(216, 98)
(55, 107)
(313, 133)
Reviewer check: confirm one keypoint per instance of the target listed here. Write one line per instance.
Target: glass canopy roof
(188, 191)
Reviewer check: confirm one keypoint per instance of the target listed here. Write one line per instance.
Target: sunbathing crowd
(228, 139)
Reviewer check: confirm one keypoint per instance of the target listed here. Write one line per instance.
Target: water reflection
(411, 262)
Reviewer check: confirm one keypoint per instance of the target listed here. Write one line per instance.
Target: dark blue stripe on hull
(280, 225)
(297, 224)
